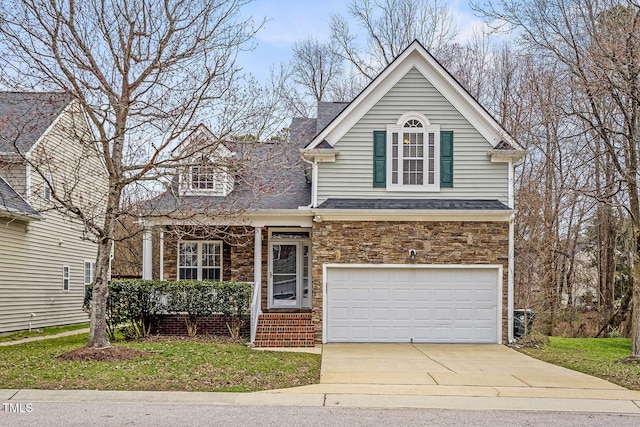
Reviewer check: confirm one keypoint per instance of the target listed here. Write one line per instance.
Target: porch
(276, 260)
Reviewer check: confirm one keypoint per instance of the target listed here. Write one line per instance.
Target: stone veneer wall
(387, 242)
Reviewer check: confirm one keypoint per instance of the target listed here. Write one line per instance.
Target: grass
(41, 332)
(171, 365)
(600, 357)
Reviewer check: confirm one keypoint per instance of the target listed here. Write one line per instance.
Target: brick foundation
(285, 330)
(175, 324)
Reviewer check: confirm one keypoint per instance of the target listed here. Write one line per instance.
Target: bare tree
(389, 26)
(597, 45)
(144, 72)
(315, 66)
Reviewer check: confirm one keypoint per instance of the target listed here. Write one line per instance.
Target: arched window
(413, 147)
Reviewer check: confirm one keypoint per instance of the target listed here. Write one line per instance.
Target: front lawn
(600, 357)
(177, 365)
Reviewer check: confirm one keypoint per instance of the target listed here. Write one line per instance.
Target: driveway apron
(481, 365)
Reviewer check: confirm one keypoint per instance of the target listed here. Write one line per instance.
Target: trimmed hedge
(142, 303)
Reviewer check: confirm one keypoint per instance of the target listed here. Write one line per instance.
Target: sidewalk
(336, 398)
(44, 337)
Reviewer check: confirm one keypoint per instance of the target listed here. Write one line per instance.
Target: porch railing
(255, 309)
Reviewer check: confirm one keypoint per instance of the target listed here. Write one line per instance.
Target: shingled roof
(413, 204)
(25, 116)
(13, 204)
(269, 176)
(303, 129)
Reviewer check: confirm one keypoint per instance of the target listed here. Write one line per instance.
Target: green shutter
(446, 158)
(379, 158)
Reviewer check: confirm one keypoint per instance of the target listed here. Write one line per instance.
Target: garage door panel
(381, 314)
(419, 304)
(380, 294)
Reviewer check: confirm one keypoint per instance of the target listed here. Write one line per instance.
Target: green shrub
(142, 303)
(234, 302)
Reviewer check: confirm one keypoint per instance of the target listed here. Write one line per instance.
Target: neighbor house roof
(13, 204)
(25, 116)
(269, 176)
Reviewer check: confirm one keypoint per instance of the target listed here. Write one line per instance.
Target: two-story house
(392, 222)
(47, 154)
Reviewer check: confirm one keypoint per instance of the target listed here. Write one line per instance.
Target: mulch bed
(218, 339)
(110, 354)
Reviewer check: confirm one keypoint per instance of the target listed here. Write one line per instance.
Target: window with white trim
(89, 273)
(66, 278)
(413, 151)
(203, 177)
(200, 260)
(46, 186)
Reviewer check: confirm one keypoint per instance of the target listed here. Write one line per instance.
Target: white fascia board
(320, 154)
(415, 56)
(254, 218)
(506, 156)
(411, 215)
(19, 216)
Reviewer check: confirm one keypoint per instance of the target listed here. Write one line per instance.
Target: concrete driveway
(458, 376)
(483, 365)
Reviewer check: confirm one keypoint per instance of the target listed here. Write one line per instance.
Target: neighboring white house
(45, 258)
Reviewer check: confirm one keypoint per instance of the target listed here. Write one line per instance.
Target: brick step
(285, 330)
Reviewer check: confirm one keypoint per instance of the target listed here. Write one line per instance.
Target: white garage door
(435, 305)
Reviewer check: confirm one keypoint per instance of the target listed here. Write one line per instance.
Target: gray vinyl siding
(32, 254)
(475, 177)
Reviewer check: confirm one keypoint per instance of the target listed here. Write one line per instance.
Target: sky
(293, 20)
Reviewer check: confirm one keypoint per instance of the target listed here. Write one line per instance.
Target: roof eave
(505, 156)
(320, 154)
(19, 216)
(473, 215)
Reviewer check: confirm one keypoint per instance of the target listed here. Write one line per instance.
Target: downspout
(511, 255)
(314, 182)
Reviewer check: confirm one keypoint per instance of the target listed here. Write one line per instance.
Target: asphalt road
(161, 414)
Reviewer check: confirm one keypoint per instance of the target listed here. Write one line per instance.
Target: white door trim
(497, 267)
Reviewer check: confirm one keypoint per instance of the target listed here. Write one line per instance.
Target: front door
(289, 274)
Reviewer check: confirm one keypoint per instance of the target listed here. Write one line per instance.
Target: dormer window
(203, 177)
(209, 176)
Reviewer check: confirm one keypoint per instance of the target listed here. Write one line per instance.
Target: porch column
(161, 255)
(257, 262)
(147, 257)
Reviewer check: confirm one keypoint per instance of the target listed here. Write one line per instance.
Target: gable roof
(270, 176)
(14, 205)
(415, 56)
(25, 117)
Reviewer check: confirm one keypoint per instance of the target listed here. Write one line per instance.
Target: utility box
(518, 322)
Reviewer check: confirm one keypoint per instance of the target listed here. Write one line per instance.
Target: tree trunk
(635, 313)
(98, 329)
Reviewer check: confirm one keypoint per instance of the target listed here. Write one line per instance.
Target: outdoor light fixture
(412, 254)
